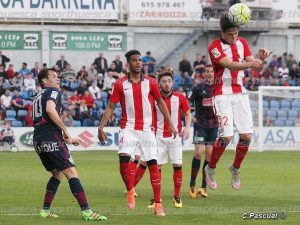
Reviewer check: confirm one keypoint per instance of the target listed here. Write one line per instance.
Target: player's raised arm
(106, 116)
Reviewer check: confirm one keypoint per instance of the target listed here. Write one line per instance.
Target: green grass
(270, 183)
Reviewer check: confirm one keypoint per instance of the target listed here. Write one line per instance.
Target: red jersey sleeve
(215, 52)
(116, 95)
(154, 89)
(247, 51)
(184, 105)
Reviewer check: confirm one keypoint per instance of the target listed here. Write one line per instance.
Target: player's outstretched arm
(236, 66)
(188, 119)
(106, 116)
(51, 111)
(164, 110)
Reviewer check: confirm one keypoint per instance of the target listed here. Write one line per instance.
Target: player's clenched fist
(102, 136)
(256, 64)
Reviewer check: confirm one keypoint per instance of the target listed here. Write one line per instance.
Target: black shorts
(52, 151)
(206, 136)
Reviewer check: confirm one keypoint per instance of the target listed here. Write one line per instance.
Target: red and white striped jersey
(176, 104)
(137, 101)
(227, 81)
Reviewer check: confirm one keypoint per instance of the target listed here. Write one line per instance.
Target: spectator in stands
(6, 101)
(95, 91)
(113, 69)
(64, 97)
(87, 99)
(7, 134)
(17, 82)
(66, 119)
(290, 61)
(28, 118)
(274, 62)
(275, 72)
(108, 80)
(207, 7)
(112, 122)
(3, 59)
(268, 122)
(169, 68)
(18, 102)
(10, 73)
(101, 64)
(82, 88)
(294, 73)
(36, 70)
(29, 85)
(263, 81)
(252, 84)
(150, 61)
(82, 74)
(187, 82)
(68, 74)
(2, 75)
(62, 63)
(24, 71)
(145, 70)
(92, 73)
(75, 99)
(44, 66)
(185, 65)
(198, 64)
(72, 108)
(265, 72)
(100, 81)
(119, 64)
(181, 90)
(283, 71)
(84, 110)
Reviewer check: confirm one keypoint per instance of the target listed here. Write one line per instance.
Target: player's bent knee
(70, 172)
(245, 137)
(226, 139)
(58, 175)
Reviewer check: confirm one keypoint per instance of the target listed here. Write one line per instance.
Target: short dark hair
(208, 65)
(24, 63)
(43, 74)
(131, 53)
(164, 74)
(225, 23)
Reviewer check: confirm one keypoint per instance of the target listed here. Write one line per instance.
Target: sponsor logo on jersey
(216, 53)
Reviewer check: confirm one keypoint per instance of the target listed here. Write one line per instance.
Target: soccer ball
(239, 14)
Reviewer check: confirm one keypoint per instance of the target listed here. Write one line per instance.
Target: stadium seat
(87, 123)
(96, 123)
(282, 114)
(296, 104)
(290, 122)
(104, 95)
(11, 114)
(28, 102)
(118, 113)
(118, 106)
(99, 104)
(22, 114)
(69, 94)
(285, 104)
(280, 122)
(293, 114)
(272, 113)
(24, 95)
(74, 86)
(76, 123)
(265, 104)
(16, 123)
(6, 85)
(274, 104)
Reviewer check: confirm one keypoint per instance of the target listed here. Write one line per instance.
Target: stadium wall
(274, 138)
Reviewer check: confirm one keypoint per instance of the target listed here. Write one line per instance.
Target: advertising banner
(79, 41)
(14, 40)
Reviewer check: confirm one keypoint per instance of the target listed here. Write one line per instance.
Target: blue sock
(78, 193)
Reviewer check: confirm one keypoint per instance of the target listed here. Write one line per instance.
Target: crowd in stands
(85, 93)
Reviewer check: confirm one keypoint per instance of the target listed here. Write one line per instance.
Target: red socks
(217, 151)
(240, 153)
(155, 181)
(177, 178)
(139, 174)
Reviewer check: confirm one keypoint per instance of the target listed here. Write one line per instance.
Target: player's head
(165, 81)
(229, 31)
(208, 73)
(134, 60)
(48, 78)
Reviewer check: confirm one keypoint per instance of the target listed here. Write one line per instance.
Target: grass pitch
(269, 183)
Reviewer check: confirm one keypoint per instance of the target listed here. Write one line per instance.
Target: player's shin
(51, 189)
(177, 179)
(217, 151)
(240, 153)
(155, 179)
(125, 171)
(139, 174)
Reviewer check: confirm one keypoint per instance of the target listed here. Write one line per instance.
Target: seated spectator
(66, 119)
(275, 72)
(199, 64)
(68, 74)
(62, 63)
(268, 122)
(119, 64)
(265, 72)
(92, 73)
(28, 118)
(181, 90)
(108, 80)
(113, 69)
(112, 122)
(72, 108)
(149, 61)
(87, 99)
(36, 70)
(95, 91)
(64, 97)
(29, 85)
(10, 73)
(187, 82)
(283, 71)
(294, 73)
(145, 70)
(24, 71)
(7, 134)
(18, 101)
(185, 65)
(101, 64)
(290, 61)
(100, 81)
(84, 110)
(264, 82)
(82, 74)
(2, 75)
(17, 82)
(252, 84)
(6, 101)
(82, 88)
(75, 99)
(274, 62)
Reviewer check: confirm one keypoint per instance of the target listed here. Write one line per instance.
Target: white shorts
(169, 146)
(234, 108)
(136, 142)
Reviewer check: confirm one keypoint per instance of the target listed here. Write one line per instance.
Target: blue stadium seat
(6, 85)
(16, 123)
(76, 123)
(290, 122)
(24, 95)
(69, 94)
(28, 102)
(272, 113)
(74, 86)
(265, 104)
(282, 114)
(104, 95)
(99, 104)
(118, 113)
(11, 114)
(87, 123)
(296, 104)
(118, 106)
(96, 123)
(22, 114)
(285, 104)
(280, 122)
(274, 104)
(293, 114)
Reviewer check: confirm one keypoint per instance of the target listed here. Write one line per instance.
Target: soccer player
(50, 138)
(136, 93)
(205, 128)
(230, 55)
(167, 145)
